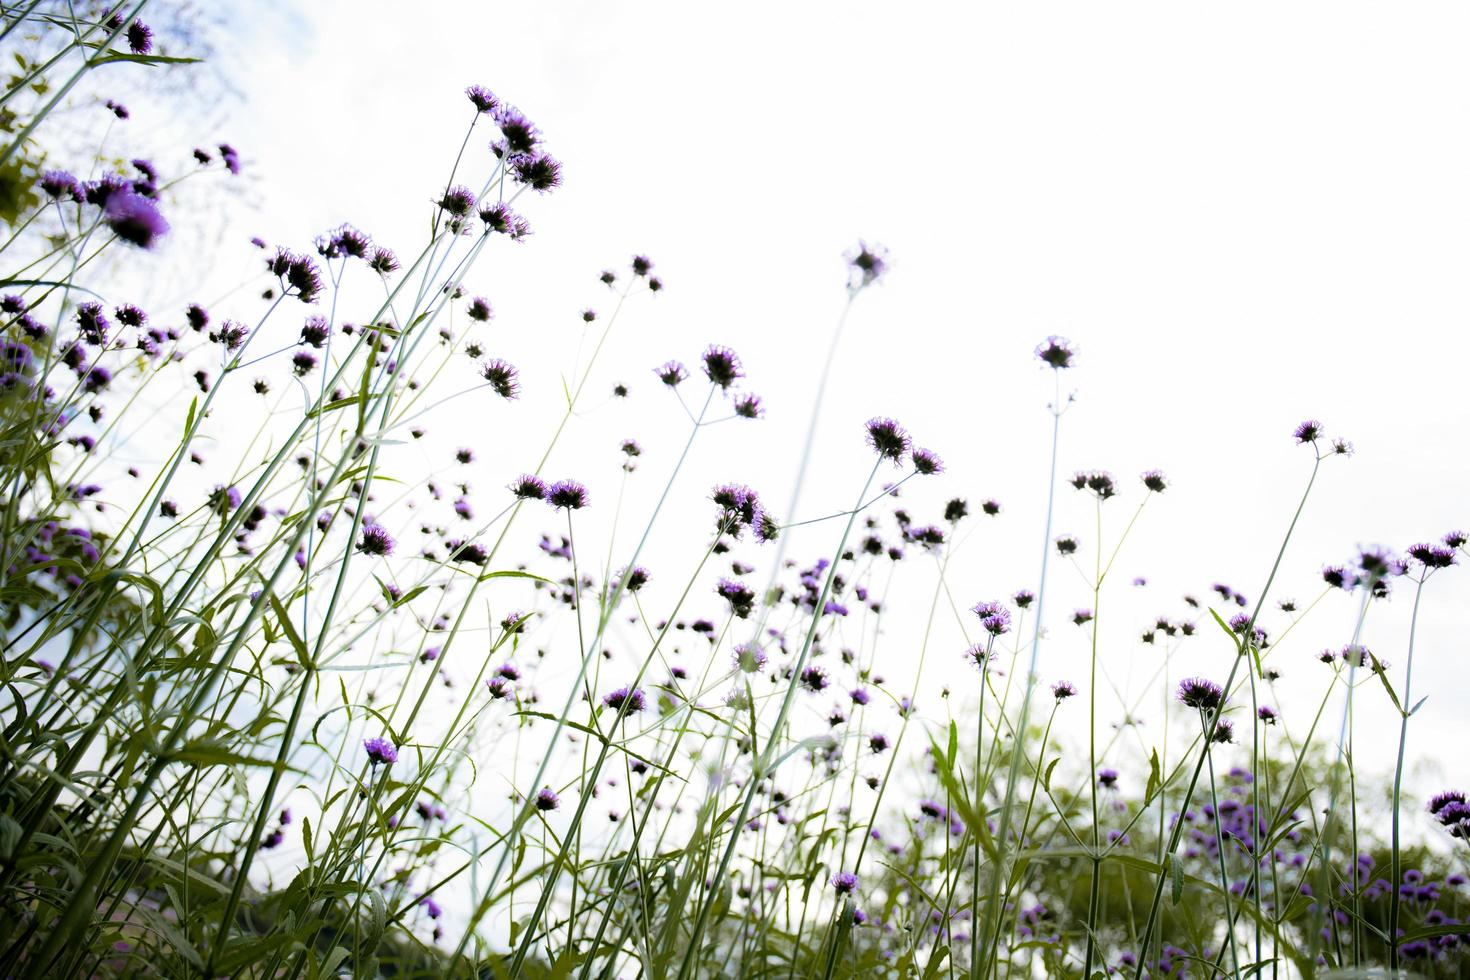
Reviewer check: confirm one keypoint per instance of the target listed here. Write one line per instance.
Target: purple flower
(994, 616)
(375, 540)
(59, 184)
(303, 362)
(1267, 714)
(642, 264)
(518, 134)
(749, 406)
(546, 799)
(632, 698)
(1056, 352)
(380, 750)
(567, 494)
(528, 487)
(383, 261)
(1308, 431)
(1197, 692)
(503, 378)
(888, 439)
(813, 678)
(315, 331)
(721, 365)
(1432, 555)
(458, 201)
(740, 596)
(1154, 481)
(134, 218)
(877, 742)
(927, 462)
(140, 37)
(1062, 690)
(749, 657)
(1107, 778)
(844, 882)
(866, 264)
(671, 373)
(540, 172)
(482, 98)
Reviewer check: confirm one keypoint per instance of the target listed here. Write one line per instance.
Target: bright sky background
(1244, 215)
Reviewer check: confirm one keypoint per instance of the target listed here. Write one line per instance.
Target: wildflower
(504, 379)
(721, 365)
(140, 37)
(814, 678)
(501, 218)
(994, 616)
(858, 696)
(1341, 447)
(567, 494)
(877, 742)
(1433, 555)
(1023, 598)
(740, 505)
(380, 750)
(866, 264)
(749, 406)
(1107, 778)
(541, 172)
(1197, 692)
(518, 134)
(117, 109)
(671, 373)
(1154, 481)
(457, 201)
(134, 218)
(1062, 690)
(624, 699)
(375, 540)
(1336, 576)
(230, 157)
(383, 261)
(59, 185)
(1224, 732)
(1056, 352)
(749, 657)
(1455, 539)
(641, 265)
(546, 799)
(315, 331)
(956, 510)
(1267, 714)
(979, 655)
(482, 98)
(926, 462)
(528, 487)
(470, 553)
(635, 578)
(302, 362)
(844, 882)
(1307, 431)
(888, 439)
(739, 595)
(93, 324)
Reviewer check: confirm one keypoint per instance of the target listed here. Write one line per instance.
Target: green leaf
(1176, 873)
(954, 743)
(1155, 776)
(142, 59)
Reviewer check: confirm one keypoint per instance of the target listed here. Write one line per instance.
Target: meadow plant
(278, 703)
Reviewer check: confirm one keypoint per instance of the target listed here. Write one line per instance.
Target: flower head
(926, 462)
(844, 882)
(140, 37)
(888, 439)
(503, 378)
(375, 539)
(547, 800)
(567, 495)
(1307, 431)
(1056, 352)
(380, 750)
(632, 698)
(1197, 692)
(134, 218)
(482, 98)
(1154, 481)
(528, 487)
(671, 373)
(866, 264)
(1062, 690)
(721, 365)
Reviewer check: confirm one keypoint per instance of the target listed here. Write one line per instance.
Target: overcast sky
(1243, 215)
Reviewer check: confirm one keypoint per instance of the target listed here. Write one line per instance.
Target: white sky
(1243, 215)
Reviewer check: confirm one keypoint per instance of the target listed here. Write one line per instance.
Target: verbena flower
(1154, 481)
(567, 495)
(1056, 352)
(844, 882)
(375, 540)
(1107, 778)
(547, 800)
(528, 487)
(481, 98)
(1062, 690)
(503, 378)
(748, 657)
(380, 750)
(926, 462)
(867, 264)
(721, 365)
(140, 37)
(994, 617)
(739, 595)
(1197, 692)
(813, 678)
(134, 218)
(888, 439)
(671, 373)
(632, 698)
(457, 201)
(541, 172)
(518, 135)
